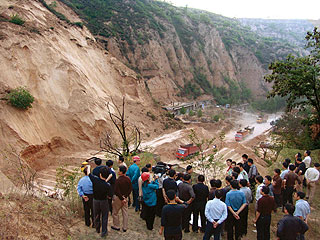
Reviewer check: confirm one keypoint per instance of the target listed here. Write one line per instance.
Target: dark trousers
(150, 214)
(278, 199)
(110, 205)
(135, 195)
(233, 226)
(186, 216)
(288, 195)
(244, 221)
(199, 208)
(210, 230)
(101, 210)
(263, 227)
(142, 213)
(253, 188)
(160, 202)
(173, 237)
(88, 209)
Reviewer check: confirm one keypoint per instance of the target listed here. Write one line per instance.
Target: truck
(243, 133)
(185, 151)
(262, 119)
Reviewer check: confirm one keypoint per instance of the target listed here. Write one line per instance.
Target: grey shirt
(247, 193)
(185, 191)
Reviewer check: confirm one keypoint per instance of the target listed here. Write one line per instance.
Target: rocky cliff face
(71, 77)
(178, 50)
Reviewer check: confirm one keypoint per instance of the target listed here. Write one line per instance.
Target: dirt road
(249, 119)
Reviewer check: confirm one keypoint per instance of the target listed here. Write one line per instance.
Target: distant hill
(290, 30)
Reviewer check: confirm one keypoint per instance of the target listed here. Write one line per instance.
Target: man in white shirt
(307, 159)
(216, 213)
(259, 181)
(312, 176)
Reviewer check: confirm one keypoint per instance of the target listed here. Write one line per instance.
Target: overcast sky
(272, 9)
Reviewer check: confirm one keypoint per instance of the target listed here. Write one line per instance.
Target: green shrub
(191, 113)
(216, 118)
(16, 20)
(183, 110)
(78, 24)
(199, 113)
(20, 98)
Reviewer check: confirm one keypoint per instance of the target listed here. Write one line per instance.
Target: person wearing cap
(134, 173)
(171, 217)
(85, 191)
(149, 198)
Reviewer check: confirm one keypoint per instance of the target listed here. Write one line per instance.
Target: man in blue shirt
(302, 210)
(134, 173)
(85, 191)
(216, 212)
(236, 202)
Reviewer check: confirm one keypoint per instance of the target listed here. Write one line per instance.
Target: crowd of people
(222, 209)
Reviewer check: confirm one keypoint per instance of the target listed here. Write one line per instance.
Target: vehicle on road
(262, 119)
(243, 133)
(185, 151)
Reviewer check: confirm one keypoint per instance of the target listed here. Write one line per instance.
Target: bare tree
(130, 134)
(23, 173)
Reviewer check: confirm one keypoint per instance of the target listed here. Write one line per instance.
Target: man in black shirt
(201, 192)
(101, 192)
(245, 165)
(300, 170)
(171, 218)
(289, 227)
(96, 170)
(112, 181)
(169, 184)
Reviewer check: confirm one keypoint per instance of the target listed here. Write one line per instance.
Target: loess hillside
(71, 78)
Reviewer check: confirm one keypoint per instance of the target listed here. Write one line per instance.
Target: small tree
(20, 98)
(206, 160)
(183, 110)
(199, 113)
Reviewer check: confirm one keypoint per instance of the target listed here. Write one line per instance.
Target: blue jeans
(210, 230)
(135, 193)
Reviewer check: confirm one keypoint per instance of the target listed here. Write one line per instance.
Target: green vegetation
(192, 113)
(17, 20)
(293, 130)
(20, 98)
(269, 105)
(199, 113)
(298, 78)
(59, 15)
(183, 110)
